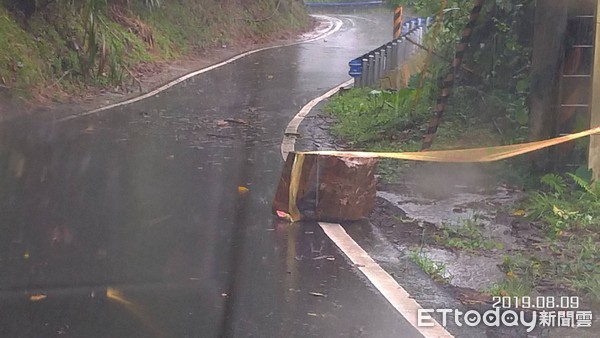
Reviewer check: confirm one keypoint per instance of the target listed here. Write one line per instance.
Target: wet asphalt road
(142, 203)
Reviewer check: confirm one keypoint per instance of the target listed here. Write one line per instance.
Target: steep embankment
(52, 48)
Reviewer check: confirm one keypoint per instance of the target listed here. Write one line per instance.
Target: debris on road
(327, 257)
(326, 188)
(35, 298)
(317, 294)
(220, 136)
(227, 122)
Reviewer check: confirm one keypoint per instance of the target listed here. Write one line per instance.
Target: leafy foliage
(569, 211)
(554, 182)
(562, 207)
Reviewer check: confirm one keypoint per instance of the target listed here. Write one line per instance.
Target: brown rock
(330, 188)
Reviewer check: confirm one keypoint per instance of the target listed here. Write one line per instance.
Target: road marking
(289, 141)
(358, 17)
(381, 280)
(333, 26)
(395, 294)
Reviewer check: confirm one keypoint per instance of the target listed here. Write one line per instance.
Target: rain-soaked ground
(437, 195)
(153, 219)
(427, 199)
(429, 195)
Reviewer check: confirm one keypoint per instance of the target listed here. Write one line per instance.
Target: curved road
(132, 222)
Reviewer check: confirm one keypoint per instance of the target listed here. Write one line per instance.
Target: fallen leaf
(242, 190)
(35, 298)
(519, 212)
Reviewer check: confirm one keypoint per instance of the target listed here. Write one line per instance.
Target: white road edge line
(333, 26)
(358, 17)
(381, 280)
(289, 140)
(395, 294)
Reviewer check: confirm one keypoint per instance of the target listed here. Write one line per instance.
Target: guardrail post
(382, 65)
(388, 57)
(429, 21)
(376, 67)
(363, 77)
(394, 61)
(405, 28)
(415, 38)
(371, 70)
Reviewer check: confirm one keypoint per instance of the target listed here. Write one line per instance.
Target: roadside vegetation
(466, 236)
(488, 107)
(435, 270)
(567, 212)
(55, 47)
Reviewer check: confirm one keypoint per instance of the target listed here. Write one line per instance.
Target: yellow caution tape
(294, 185)
(489, 154)
(473, 155)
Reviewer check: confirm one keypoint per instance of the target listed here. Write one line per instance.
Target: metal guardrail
(372, 66)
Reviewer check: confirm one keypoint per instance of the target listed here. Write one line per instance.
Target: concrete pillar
(547, 57)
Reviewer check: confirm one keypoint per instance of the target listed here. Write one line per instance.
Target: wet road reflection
(132, 222)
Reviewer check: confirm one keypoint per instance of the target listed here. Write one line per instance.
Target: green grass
(309, 1)
(21, 63)
(468, 236)
(51, 55)
(367, 117)
(376, 120)
(567, 212)
(436, 270)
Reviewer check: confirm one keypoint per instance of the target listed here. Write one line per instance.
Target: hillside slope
(53, 48)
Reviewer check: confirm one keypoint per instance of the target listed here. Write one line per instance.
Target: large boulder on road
(327, 188)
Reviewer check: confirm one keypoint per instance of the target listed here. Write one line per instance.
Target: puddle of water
(469, 270)
(452, 209)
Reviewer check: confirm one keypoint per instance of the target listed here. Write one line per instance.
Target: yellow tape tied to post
(474, 155)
